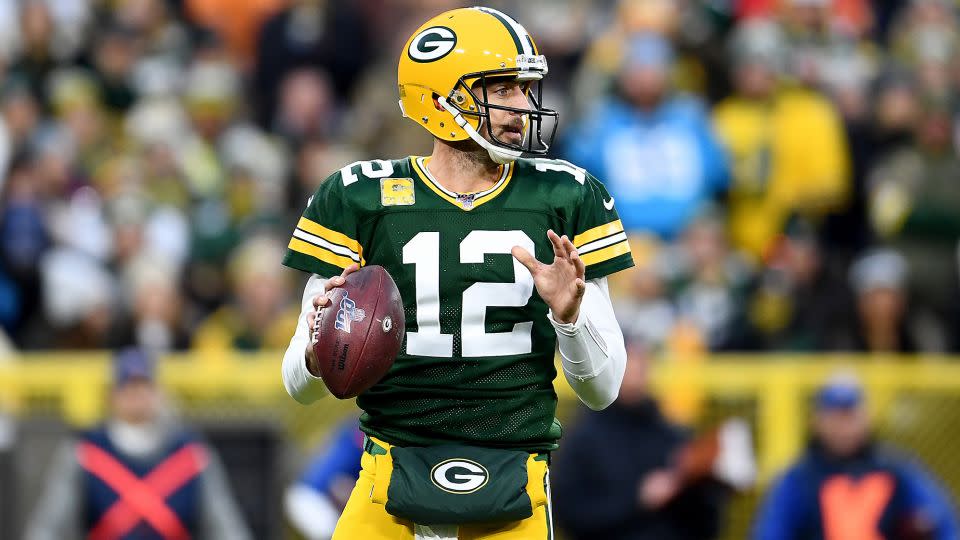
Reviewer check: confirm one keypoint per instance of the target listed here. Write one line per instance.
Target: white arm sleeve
(297, 379)
(592, 351)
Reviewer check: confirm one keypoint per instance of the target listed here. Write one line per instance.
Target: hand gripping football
(359, 333)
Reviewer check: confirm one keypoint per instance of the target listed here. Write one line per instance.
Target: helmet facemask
(463, 102)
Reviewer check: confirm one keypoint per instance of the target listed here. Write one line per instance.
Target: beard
(470, 150)
(472, 154)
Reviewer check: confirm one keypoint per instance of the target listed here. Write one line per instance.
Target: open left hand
(561, 284)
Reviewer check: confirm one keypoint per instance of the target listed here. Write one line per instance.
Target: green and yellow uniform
(477, 365)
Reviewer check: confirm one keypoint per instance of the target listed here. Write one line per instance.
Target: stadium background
(155, 154)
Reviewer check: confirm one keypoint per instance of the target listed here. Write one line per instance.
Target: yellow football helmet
(450, 53)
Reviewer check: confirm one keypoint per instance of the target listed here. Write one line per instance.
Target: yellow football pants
(363, 519)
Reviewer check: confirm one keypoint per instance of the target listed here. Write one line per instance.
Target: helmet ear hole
(436, 102)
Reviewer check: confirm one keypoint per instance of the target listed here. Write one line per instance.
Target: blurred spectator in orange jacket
(849, 13)
(237, 22)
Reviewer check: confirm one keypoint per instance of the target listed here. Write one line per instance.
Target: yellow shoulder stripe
(597, 233)
(318, 252)
(330, 235)
(606, 253)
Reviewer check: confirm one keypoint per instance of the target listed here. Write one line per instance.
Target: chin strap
(498, 154)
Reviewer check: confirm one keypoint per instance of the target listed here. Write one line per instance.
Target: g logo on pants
(459, 476)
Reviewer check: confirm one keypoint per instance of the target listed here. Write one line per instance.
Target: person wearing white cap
(886, 319)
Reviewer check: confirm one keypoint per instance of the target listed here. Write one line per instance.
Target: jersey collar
(463, 201)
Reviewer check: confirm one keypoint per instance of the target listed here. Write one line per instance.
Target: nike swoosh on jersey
(608, 204)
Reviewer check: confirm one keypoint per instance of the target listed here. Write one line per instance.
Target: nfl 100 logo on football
(348, 313)
(459, 476)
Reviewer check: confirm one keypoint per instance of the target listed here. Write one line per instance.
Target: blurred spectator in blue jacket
(655, 150)
(315, 501)
(846, 485)
(24, 237)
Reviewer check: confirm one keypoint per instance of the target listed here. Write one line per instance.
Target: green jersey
(477, 365)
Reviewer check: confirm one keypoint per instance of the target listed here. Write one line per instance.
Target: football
(359, 333)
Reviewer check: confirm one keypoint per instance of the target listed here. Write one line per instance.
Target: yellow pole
(781, 421)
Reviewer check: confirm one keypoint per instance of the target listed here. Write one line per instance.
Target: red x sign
(142, 499)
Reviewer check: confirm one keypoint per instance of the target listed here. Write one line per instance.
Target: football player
(499, 259)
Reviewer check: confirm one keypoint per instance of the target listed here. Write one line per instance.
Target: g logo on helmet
(459, 476)
(432, 44)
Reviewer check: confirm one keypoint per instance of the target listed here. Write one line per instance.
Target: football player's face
(507, 126)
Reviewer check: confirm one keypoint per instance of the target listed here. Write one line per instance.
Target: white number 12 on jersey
(423, 251)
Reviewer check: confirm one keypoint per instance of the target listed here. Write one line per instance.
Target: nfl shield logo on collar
(466, 200)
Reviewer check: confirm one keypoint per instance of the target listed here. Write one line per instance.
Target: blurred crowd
(786, 167)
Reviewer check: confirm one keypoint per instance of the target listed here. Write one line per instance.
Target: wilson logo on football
(459, 476)
(432, 44)
(348, 313)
